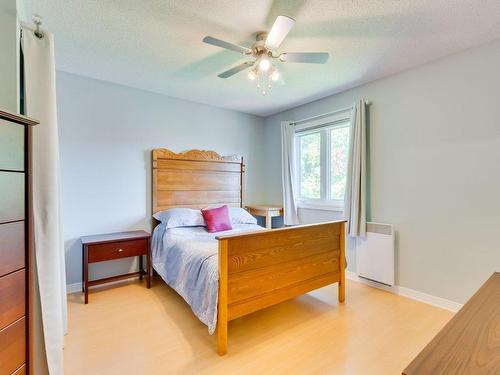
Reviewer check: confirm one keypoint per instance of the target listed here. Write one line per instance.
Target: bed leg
(341, 291)
(221, 338)
(342, 264)
(222, 302)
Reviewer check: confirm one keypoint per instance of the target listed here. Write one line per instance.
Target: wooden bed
(257, 269)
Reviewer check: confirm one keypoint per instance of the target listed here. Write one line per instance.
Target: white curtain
(289, 174)
(40, 100)
(355, 195)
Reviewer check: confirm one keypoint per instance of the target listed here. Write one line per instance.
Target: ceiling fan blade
(236, 69)
(305, 57)
(279, 31)
(226, 45)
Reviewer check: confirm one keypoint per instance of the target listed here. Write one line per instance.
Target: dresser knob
(120, 250)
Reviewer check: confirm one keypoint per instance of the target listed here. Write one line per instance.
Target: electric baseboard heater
(375, 254)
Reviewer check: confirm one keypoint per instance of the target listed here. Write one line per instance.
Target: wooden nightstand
(111, 246)
(268, 211)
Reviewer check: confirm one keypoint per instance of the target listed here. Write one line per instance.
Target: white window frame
(323, 125)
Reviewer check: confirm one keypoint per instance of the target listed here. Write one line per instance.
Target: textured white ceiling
(156, 44)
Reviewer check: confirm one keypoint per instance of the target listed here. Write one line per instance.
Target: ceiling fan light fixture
(261, 66)
(264, 64)
(252, 75)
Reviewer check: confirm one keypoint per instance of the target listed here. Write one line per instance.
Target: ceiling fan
(262, 69)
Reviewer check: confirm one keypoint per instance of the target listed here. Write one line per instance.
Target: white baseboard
(73, 288)
(408, 293)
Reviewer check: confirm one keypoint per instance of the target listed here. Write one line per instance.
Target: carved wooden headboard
(196, 179)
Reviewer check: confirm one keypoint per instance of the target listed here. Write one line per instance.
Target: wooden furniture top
(276, 230)
(267, 211)
(18, 119)
(470, 342)
(195, 155)
(195, 179)
(113, 237)
(265, 207)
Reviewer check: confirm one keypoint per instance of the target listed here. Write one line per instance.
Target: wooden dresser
(15, 243)
(470, 343)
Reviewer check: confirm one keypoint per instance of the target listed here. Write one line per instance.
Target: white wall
(9, 42)
(106, 134)
(434, 157)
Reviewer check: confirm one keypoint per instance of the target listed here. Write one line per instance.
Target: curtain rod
(37, 21)
(367, 102)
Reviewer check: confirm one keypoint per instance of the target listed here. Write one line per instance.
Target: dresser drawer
(11, 247)
(12, 196)
(13, 347)
(11, 146)
(116, 250)
(12, 297)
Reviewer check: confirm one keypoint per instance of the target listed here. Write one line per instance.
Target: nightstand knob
(120, 250)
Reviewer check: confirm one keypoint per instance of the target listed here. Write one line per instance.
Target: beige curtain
(288, 173)
(40, 99)
(355, 195)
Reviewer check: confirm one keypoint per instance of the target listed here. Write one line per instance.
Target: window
(310, 165)
(322, 157)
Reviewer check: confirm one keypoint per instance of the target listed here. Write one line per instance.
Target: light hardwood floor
(128, 329)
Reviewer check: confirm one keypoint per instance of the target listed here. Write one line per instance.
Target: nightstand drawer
(117, 250)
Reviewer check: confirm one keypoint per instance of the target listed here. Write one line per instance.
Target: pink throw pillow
(217, 219)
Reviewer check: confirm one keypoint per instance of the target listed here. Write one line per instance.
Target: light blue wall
(434, 151)
(106, 134)
(434, 156)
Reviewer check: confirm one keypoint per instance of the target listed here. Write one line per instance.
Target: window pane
(310, 171)
(338, 163)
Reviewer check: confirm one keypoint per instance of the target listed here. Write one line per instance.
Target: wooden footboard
(261, 269)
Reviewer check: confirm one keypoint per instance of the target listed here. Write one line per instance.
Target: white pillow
(180, 217)
(240, 216)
